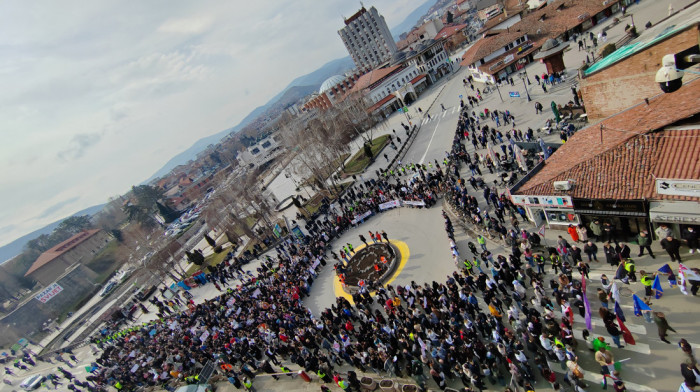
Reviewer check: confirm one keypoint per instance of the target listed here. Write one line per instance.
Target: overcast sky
(98, 95)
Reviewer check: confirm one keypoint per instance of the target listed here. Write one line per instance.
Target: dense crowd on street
(498, 320)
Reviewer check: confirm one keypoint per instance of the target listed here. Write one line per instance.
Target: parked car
(108, 288)
(146, 292)
(33, 382)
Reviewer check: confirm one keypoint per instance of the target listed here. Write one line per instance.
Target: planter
(368, 384)
(410, 388)
(387, 385)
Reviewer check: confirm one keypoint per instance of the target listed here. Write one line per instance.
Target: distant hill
(307, 83)
(15, 247)
(411, 19)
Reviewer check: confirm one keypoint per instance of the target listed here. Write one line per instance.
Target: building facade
(80, 248)
(634, 170)
(367, 38)
(261, 152)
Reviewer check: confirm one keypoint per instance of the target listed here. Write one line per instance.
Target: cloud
(79, 145)
(193, 25)
(98, 99)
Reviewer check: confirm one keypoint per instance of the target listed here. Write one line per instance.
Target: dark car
(146, 292)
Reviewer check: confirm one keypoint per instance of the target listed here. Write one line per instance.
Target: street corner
(405, 253)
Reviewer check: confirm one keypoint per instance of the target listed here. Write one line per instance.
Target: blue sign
(514, 94)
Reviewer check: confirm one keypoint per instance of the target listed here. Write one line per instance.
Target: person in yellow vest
(467, 267)
(647, 281)
(631, 271)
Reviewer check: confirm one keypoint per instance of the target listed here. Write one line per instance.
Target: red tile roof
(488, 45)
(622, 161)
(517, 55)
(381, 102)
(373, 77)
(449, 31)
(60, 249)
(417, 78)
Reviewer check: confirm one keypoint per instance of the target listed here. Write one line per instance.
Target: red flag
(626, 334)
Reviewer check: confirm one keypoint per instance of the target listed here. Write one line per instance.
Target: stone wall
(28, 318)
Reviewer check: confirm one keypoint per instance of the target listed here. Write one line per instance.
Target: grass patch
(105, 262)
(360, 161)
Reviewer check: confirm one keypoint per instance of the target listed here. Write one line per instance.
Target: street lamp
(523, 76)
(499, 91)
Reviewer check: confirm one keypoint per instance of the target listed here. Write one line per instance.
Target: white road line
(597, 378)
(638, 348)
(444, 112)
(425, 120)
(429, 142)
(453, 109)
(597, 321)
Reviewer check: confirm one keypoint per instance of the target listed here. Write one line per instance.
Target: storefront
(557, 212)
(628, 217)
(678, 215)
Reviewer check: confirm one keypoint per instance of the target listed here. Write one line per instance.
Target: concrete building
(635, 169)
(261, 152)
(430, 57)
(367, 38)
(388, 89)
(72, 286)
(79, 248)
(332, 91)
(605, 85)
(499, 53)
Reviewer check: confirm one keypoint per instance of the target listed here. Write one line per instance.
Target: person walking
(663, 326)
(582, 233)
(672, 246)
(691, 237)
(573, 233)
(482, 242)
(596, 229)
(363, 239)
(591, 250)
(604, 358)
(644, 242)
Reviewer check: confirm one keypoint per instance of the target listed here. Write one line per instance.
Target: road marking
(429, 143)
(598, 322)
(444, 112)
(453, 109)
(596, 377)
(638, 348)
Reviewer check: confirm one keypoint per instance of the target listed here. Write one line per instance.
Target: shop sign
(610, 207)
(543, 201)
(675, 218)
(665, 186)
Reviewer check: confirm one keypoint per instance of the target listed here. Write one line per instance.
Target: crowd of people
(498, 320)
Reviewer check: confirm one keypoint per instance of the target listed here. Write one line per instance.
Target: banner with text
(390, 204)
(418, 203)
(49, 292)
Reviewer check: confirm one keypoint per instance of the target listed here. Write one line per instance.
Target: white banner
(418, 203)
(390, 204)
(361, 217)
(49, 292)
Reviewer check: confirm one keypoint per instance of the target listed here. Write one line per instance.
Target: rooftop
(355, 16)
(488, 45)
(373, 77)
(449, 31)
(60, 249)
(644, 41)
(620, 157)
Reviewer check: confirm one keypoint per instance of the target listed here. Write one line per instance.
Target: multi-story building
(367, 38)
(261, 152)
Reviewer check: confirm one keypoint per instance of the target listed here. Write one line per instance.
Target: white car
(32, 382)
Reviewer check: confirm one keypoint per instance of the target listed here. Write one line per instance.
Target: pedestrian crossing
(594, 377)
(430, 118)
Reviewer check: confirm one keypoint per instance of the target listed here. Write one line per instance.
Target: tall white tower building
(367, 38)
